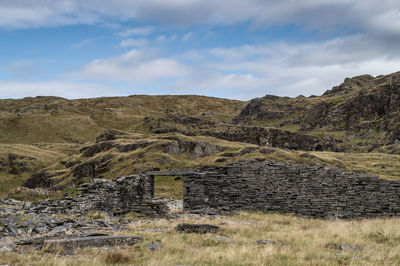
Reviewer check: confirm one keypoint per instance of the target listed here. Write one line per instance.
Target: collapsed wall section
(310, 191)
(126, 194)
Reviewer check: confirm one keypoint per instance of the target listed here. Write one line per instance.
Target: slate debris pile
(132, 193)
(22, 228)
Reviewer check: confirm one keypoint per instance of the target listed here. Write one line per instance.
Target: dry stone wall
(310, 191)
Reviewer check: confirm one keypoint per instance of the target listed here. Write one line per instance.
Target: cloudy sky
(226, 48)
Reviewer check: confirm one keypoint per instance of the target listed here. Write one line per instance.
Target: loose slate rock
(197, 228)
(155, 230)
(341, 247)
(223, 238)
(271, 242)
(155, 246)
(12, 229)
(93, 241)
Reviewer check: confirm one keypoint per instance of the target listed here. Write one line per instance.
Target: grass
(168, 187)
(383, 165)
(302, 242)
(116, 257)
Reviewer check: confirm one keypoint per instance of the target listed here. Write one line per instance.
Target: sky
(226, 48)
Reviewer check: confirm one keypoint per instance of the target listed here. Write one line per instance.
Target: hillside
(53, 119)
(51, 142)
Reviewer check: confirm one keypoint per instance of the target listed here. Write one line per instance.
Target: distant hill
(54, 119)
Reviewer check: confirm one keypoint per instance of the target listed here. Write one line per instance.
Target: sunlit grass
(304, 241)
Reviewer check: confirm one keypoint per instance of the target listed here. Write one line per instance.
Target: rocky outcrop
(98, 147)
(92, 168)
(350, 84)
(377, 104)
(41, 179)
(272, 137)
(193, 149)
(101, 146)
(134, 146)
(109, 135)
(367, 107)
(17, 164)
(267, 108)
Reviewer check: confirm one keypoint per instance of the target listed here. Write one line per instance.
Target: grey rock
(40, 229)
(12, 229)
(155, 230)
(223, 238)
(343, 247)
(271, 242)
(194, 149)
(155, 246)
(59, 230)
(197, 228)
(93, 241)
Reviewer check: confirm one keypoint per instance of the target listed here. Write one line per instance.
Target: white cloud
(285, 68)
(360, 15)
(163, 38)
(279, 68)
(371, 45)
(134, 42)
(136, 31)
(188, 36)
(71, 90)
(134, 66)
(23, 69)
(83, 43)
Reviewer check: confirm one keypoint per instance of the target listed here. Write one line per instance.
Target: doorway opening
(170, 188)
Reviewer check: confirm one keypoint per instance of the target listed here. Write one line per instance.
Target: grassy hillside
(19, 161)
(52, 119)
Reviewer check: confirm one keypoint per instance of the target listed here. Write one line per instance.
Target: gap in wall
(169, 187)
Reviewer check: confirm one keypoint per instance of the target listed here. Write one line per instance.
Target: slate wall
(298, 189)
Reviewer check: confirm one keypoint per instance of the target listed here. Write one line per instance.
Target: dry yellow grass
(383, 165)
(376, 242)
(168, 187)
